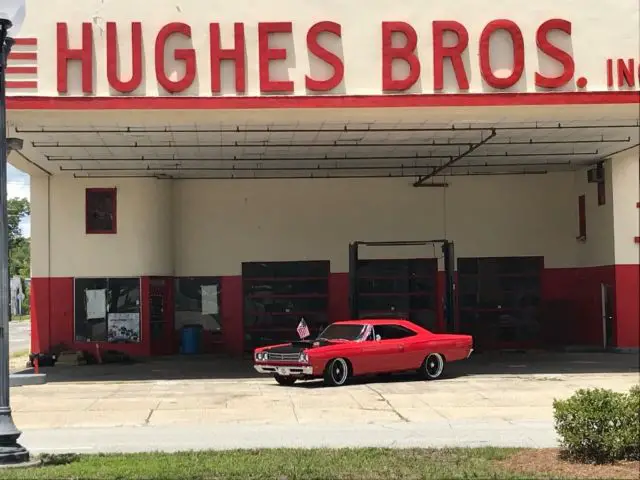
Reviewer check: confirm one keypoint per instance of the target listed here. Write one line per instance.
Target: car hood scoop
(300, 345)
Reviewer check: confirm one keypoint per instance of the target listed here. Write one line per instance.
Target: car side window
(393, 332)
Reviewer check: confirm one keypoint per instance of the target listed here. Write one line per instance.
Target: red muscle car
(363, 347)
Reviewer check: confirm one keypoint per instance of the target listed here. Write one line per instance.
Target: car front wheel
(433, 366)
(336, 373)
(285, 380)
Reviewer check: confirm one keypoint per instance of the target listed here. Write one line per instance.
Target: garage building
(215, 165)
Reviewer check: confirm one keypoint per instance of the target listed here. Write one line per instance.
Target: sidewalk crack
(393, 409)
(151, 412)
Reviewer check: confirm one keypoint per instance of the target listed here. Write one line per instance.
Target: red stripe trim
(26, 41)
(23, 56)
(18, 70)
(329, 101)
(24, 84)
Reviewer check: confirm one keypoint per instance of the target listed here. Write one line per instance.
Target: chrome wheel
(337, 372)
(433, 366)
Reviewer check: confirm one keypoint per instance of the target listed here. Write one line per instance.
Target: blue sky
(18, 187)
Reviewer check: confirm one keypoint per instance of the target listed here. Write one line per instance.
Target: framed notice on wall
(123, 327)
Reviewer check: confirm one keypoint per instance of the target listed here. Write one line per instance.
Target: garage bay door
(404, 288)
(499, 300)
(278, 294)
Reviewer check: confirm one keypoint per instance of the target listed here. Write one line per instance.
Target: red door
(160, 308)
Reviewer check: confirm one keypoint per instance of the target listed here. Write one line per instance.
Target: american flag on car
(303, 329)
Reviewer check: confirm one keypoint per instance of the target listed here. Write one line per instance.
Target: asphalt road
(19, 336)
(434, 434)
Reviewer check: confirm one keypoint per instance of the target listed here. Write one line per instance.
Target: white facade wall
(600, 30)
(598, 248)
(626, 195)
(226, 223)
(201, 227)
(61, 247)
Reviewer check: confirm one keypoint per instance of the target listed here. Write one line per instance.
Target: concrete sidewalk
(440, 433)
(509, 408)
(261, 401)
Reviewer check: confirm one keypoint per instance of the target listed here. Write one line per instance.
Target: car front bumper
(285, 370)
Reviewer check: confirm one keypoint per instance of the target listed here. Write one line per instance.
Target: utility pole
(11, 452)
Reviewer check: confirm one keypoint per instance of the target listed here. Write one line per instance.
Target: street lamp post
(11, 452)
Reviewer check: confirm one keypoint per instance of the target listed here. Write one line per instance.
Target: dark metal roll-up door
(277, 295)
(499, 301)
(398, 287)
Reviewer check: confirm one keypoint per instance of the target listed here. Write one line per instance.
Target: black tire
(336, 372)
(285, 380)
(433, 366)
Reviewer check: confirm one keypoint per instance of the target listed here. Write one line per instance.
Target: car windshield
(342, 332)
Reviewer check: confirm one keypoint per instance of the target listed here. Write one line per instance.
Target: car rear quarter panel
(453, 347)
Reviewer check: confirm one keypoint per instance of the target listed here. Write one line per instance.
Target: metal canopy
(306, 147)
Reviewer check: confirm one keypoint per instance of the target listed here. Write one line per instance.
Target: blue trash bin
(191, 339)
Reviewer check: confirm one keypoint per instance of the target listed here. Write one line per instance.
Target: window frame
(141, 338)
(392, 326)
(114, 208)
(199, 280)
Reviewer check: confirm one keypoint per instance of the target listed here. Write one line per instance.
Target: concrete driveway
(502, 400)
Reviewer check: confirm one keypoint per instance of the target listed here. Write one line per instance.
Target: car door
(401, 341)
(377, 356)
(389, 353)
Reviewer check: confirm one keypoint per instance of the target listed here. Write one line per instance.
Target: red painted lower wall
(627, 278)
(571, 306)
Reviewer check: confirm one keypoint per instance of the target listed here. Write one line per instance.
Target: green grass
(345, 464)
(21, 318)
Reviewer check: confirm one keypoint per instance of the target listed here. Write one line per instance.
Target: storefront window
(107, 310)
(197, 302)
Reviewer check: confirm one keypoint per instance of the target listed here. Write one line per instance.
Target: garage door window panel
(499, 299)
(198, 302)
(277, 295)
(107, 310)
(402, 287)
(101, 211)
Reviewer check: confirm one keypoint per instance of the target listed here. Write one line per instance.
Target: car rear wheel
(433, 366)
(336, 373)
(285, 380)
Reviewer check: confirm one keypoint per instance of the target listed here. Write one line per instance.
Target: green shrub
(631, 431)
(590, 425)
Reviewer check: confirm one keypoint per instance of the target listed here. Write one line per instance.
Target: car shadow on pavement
(210, 367)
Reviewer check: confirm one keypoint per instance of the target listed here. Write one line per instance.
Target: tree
(19, 246)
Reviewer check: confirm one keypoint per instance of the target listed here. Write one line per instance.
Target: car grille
(283, 357)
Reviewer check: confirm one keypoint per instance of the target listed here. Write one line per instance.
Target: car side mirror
(378, 338)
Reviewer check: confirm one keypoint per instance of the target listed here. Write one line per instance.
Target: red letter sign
(406, 53)
(187, 55)
(518, 54)
(136, 58)
(267, 54)
(235, 54)
(84, 55)
(325, 55)
(440, 52)
(556, 53)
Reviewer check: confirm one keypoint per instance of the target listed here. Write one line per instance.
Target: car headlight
(260, 356)
(304, 358)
